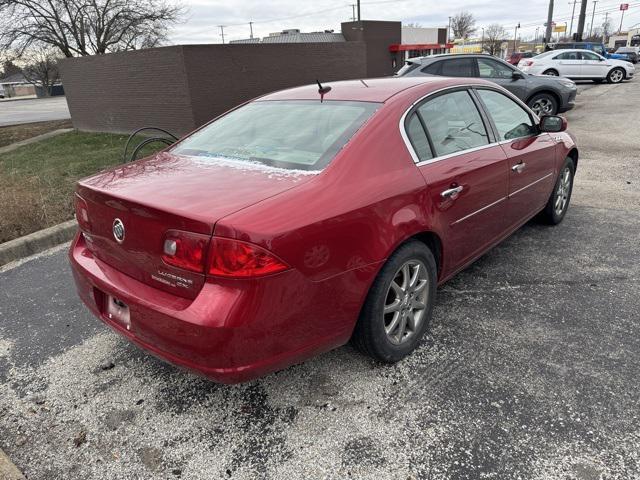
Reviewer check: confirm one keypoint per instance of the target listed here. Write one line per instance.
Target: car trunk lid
(168, 192)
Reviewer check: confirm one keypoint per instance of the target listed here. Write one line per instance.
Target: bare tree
(494, 36)
(42, 70)
(85, 27)
(413, 25)
(463, 25)
(9, 68)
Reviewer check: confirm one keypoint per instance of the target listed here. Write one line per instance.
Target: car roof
(367, 90)
(565, 50)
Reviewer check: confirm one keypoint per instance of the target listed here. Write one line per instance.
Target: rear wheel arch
(549, 70)
(433, 242)
(573, 155)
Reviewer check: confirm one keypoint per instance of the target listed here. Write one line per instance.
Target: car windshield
(546, 54)
(290, 134)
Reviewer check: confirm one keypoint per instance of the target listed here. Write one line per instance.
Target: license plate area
(117, 311)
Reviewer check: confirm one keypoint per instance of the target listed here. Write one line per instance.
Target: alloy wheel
(406, 302)
(542, 106)
(616, 76)
(563, 191)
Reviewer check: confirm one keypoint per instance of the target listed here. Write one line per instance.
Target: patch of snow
(247, 165)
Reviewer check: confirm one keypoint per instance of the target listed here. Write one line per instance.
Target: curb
(37, 242)
(8, 471)
(35, 139)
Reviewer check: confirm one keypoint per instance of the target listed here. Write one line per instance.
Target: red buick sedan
(294, 223)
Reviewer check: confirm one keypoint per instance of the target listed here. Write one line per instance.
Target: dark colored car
(632, 53)
(292, 223)
(515, 57)
(544, 95)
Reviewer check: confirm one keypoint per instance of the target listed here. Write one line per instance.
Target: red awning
(398, 47)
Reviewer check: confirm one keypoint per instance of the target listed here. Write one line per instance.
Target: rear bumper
(232, 331)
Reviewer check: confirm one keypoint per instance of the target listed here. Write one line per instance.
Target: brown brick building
(181, 87)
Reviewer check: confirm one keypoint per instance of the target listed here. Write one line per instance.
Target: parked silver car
(544, 95)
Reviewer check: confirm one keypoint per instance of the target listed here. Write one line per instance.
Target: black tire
(551, 214)
(543, 104)
(370, 336)
(614, 75)
(598, 80)
(551, 72)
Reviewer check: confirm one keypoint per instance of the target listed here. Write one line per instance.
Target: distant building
(419, 42)
(294, 35)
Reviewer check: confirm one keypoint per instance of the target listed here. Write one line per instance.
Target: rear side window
(418, 138)
(453, 123)
(511, 120)
(433, 69)
(568, 56)
(459, 67)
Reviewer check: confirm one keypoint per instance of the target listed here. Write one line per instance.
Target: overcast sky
(204, 16)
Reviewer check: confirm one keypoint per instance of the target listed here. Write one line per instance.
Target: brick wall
(179, 88)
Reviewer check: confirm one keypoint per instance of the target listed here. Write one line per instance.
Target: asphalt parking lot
(531, 369)
(15, 112)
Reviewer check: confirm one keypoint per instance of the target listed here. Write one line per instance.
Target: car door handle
(452, 192)
(519, 167)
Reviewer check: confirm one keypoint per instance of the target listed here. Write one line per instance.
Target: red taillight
(527, 63)
(232, 258)
(82, 213)
(185, 250)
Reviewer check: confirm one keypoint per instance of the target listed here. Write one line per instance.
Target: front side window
(491, 69)
(290, 134)
(459, 67)
(453, 122)
(511, 120)
(590, 56)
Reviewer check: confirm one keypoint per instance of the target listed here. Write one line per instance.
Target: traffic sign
(624, 6)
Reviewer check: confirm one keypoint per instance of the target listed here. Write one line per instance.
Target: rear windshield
(290, 134)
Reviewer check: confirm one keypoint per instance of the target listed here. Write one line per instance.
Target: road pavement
(531, 369)
(16, 112)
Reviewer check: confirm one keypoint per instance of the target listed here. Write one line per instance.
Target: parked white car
(578, 65)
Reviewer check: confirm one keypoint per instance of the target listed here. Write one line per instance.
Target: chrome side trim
(531, 184)
(460, 152)
(478, 211)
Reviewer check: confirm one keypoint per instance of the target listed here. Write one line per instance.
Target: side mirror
(516, 75)
(553, 124)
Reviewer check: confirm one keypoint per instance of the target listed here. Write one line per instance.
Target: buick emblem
(118, 230)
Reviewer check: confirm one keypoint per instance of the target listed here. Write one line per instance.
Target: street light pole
(482, 42)
(358, 10)
(581, 18)
(573, 12)
(515, 37)
(547, 36)
(593, 15)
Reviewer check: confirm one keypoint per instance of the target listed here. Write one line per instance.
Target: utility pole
(573, 12)
(358, 10)
(604, 30)
(581, 18)
(353, 12)
(515, 37)
(547, 36)
(537, 30)
(449, 31)
(593, 15)
(482, 43)
(251, 28)
(222, 32)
